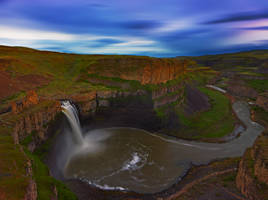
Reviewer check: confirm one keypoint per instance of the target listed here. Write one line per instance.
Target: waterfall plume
(71, 113)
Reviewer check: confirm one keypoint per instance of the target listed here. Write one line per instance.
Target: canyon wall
(90, 101)
(167, 94)
(252, 177)
(32, 116)
(146, 70)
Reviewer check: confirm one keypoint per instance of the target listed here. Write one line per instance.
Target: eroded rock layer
(252, 177)
(146, 70)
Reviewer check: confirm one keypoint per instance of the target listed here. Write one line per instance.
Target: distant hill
(256, 58)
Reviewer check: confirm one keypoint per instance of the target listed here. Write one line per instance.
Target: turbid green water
(133, 159)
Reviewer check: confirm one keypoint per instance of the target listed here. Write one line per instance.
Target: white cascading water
(71, 113)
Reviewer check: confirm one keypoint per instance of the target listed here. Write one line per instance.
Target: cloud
(103, 42)
(151, 27)
(245, 16)
(109, 41)
(79, 43)
(245, 37)
(13, 33)
(256, 28)
(141, 24)
(72, 18)
(185, 34)
(173, 26)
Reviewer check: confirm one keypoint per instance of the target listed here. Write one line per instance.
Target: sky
(161, 28)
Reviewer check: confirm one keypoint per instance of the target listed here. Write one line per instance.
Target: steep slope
(252, 177)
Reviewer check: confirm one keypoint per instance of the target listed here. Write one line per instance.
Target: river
(136, 160)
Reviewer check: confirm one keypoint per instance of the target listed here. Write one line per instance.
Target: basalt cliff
(252, 177)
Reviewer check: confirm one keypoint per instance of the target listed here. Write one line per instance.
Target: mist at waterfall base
(136, 160)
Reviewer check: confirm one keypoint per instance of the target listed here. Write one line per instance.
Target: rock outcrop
(252, 177)
(30, 99)
(161, 72)
(196, 101)
(31, 193)
(240, 90)
(167, 99)
(167, 94)
(146, 70)
(89, 102)
(31, 116)
(36, 123)
(164, 90)
(262, 100)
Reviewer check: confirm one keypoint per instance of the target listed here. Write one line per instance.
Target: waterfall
(71, 113)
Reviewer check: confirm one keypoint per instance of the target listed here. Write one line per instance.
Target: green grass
(13, 162)
(215, 123)
(160, 112)
(231, 61)
(249, 73)
(12, 167)
(44, 181)
(133, 84)
(229, 178)
(259, 85)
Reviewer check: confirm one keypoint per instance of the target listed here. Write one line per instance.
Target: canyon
(157, 95)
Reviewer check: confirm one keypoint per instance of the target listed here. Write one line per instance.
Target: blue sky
(160, 28)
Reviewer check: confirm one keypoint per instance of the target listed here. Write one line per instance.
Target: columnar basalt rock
(164, 90)
(252, 177)
(161, 72)
(259, 153)
(30, 99)
(89, 102)
(167, 94)
(31, 193)
(146, 70)
(35, 122)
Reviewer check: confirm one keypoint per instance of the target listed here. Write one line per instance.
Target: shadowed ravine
(136, 160)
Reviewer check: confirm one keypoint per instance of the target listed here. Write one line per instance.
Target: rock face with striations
(167, 94)
(90, 101)
(30, 99)
(32, 115)
(146, 70)
(31, 193)
(252, 177)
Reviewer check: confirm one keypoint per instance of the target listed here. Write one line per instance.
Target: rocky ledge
(146, 70)
(252, 177)
(32, 115)
(262, 100)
